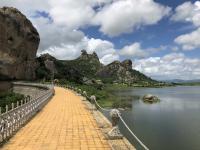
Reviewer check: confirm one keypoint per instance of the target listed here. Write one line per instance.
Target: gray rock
(150, 98)
(19, 42)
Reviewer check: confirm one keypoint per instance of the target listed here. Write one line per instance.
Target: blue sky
(161, 37)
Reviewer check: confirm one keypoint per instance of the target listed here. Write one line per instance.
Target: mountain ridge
(87, 67)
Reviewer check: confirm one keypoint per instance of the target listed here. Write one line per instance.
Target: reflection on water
(173, 123)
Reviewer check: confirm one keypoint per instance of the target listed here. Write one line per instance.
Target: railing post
(6, 108)
(114, 133)
(93, 101)
(85, 95)
(29, 98)
(21, 102)
(17, 103)
(25, 100)
(114, 114)
(13, 106)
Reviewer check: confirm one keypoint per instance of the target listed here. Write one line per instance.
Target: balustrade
(13, 119)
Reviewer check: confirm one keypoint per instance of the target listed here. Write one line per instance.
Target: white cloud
(171, 66)
(75, 14)
(104, 49)
(106, 59)
(189, 41)
(124, 16)
(71, 13)
(133, 50)
(53, 35)
(26, 6)
(188, 12)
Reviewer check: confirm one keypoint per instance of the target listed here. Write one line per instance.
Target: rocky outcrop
(150, 98)
(127, 64)
(85, 56)
(19, 42)
(87, 64)
(91, 60)
(87, 69)
(121, 72)
(49, 63)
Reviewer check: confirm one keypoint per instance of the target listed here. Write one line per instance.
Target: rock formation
(122, 72)
(49, 63)
(150, 98)
(87, 64)
(87, 69)
(127, 64)
(19, 42)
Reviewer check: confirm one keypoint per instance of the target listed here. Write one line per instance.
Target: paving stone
(64, 123)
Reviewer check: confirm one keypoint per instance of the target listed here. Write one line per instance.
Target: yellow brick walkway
(63, 124)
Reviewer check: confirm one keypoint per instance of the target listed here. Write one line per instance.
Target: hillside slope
(87, 69)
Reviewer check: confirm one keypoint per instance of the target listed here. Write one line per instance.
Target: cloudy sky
(161, 37)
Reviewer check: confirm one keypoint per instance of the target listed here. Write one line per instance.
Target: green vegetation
(104, 95)
(87, 69)
(42, 72)
(87, 73)
(7, 98)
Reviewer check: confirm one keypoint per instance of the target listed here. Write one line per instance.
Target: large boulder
(19, 42)
(150, 98)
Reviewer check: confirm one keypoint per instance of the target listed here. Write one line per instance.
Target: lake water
(172, 124)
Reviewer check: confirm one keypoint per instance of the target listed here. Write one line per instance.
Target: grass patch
(7, 98)
(104, 95)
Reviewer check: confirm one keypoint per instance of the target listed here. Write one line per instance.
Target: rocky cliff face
(122, 72)
(19, 42)
(87, 69)
(88, 64)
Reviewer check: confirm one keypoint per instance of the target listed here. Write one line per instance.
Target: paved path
(64, 123)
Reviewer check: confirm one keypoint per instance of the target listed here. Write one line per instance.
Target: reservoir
(173, 123)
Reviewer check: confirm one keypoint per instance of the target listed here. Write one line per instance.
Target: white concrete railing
(13, 119)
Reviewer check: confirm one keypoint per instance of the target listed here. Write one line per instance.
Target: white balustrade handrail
(14, 119)
(119, 114)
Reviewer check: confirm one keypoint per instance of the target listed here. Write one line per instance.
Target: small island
(150, 98)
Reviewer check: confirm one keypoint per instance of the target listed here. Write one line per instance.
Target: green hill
(87, 69)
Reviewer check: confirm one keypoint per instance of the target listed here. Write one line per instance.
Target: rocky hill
(122, 72)
(88, 69)
(19, 42)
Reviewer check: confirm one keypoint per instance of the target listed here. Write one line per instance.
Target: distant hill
(87, 69)
(183, 81)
